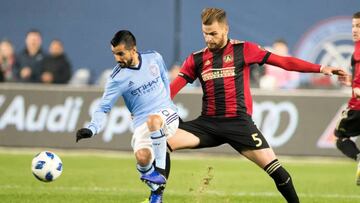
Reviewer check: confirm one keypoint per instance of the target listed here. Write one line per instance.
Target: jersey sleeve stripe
(186, 77)
(267, 55)
(116, 71)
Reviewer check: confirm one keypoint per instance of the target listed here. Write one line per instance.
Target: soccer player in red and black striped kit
(349, 123)
(223, 70)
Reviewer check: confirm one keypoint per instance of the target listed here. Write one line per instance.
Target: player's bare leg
(154, 180)
(182, 140)
(266, 159)
(154, 124)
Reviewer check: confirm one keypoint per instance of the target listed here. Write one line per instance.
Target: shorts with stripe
(141, 137)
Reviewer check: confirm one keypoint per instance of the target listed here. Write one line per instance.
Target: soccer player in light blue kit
(141, 78)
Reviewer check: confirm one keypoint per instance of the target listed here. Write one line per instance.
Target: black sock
(282, 180)
(165, 172)
(347, 147)
(168, 165)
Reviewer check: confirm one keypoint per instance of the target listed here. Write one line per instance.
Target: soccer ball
(46, 166)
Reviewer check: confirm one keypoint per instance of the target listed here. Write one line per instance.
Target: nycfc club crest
(154, 70)
(328, 42)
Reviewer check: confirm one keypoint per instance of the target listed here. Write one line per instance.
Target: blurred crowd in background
(32, 64)
(35, 64)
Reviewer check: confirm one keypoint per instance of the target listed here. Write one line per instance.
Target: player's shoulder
(148, 52)
(244, 43)
(235, 41)
(115, 71)
(199, 51)
(151, 53)
(254, 46)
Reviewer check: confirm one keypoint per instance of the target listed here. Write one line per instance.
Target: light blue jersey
(145, 90)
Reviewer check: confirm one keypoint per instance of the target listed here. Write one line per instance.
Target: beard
(216, 46)
(125, 63)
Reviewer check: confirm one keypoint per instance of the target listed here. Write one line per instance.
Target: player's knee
(143, 156)
(340, 141)
(154, 122)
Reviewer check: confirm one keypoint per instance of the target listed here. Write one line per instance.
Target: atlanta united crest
(228, 58)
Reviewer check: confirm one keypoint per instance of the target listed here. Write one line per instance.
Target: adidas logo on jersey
(131, 83)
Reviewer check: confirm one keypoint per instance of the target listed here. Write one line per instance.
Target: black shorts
(349, 124)
(241, 133)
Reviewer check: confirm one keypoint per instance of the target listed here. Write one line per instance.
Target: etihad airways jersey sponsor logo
(214, 73)
(146, 87)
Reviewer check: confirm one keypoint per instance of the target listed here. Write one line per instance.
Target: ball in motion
(46, 166)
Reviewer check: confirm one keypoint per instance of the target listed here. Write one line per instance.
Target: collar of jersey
(139, 66)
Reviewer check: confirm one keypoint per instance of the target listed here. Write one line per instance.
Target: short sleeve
(254, 53)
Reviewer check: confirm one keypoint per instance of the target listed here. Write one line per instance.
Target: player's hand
(357, 92)
(83, 133)
(345, 80)
(328, 70)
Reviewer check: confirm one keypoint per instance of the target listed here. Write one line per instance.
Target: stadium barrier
(297, 122)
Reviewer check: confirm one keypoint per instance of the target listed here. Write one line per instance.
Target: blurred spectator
(7, 61)
(101, 81)
(81, 77)
(278, 78)
(174, 71)
(256, 73)
(56, 67)
(31, 58)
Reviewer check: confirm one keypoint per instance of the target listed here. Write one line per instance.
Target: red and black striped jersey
(354, 103)
(224, 75)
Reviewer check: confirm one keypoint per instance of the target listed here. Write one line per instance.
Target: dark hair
(356, 15)
(33, 30)
(124, 37)
(210, 15)
(281, 41)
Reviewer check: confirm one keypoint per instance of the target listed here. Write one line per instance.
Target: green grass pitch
(111, 177)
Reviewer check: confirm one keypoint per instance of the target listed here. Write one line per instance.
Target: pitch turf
(111, 177)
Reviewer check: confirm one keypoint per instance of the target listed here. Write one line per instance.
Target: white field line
(174, 155)
(115, 190)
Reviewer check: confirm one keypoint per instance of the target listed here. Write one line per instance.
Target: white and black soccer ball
(46, 166)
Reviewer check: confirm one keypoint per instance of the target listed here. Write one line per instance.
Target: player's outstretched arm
(83, 133)
(294, 64)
